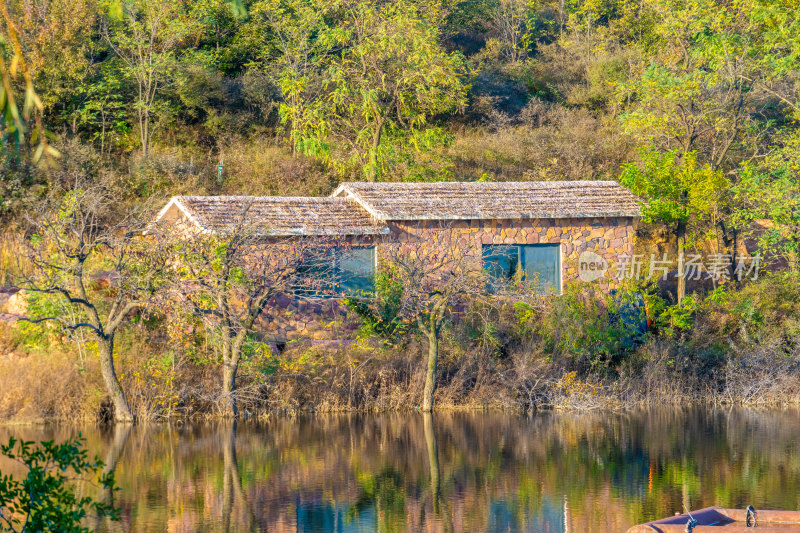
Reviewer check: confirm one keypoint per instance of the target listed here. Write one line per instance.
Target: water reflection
(118, 438)
(445, 472)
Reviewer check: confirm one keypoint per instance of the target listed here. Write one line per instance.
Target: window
(336, 272)
(535, 263)
(356, 269)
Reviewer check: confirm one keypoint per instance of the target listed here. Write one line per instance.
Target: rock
(282, 300)
(17, 304)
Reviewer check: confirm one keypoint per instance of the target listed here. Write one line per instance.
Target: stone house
(550, 230)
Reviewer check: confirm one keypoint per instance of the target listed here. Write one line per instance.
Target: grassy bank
(730, 346)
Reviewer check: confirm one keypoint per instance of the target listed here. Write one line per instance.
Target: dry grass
(263, 166)
(9, 257)
(47, 385)
(545, 141)
(740, 352)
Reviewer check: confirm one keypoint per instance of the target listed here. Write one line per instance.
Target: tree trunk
(794, 261)
(122, 411)
(146, 134)
(233, 494)
(430, 378)
(373, 155)
(681, 242)
(229, 369)
(143, 119)
(734, 248)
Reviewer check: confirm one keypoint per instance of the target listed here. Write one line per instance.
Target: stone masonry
(322, 321)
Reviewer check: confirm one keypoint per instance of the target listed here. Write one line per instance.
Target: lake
(474, 471)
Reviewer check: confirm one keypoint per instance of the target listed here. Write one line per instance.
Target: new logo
(591, 266)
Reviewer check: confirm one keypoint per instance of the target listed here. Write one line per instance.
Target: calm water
(453, 472)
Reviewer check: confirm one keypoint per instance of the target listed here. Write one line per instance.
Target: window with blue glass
(539, 264)
(336, 272)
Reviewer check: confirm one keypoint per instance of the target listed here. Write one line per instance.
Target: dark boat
(721, 520)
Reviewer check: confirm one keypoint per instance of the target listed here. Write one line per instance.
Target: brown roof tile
(278, 216)
(492, 200)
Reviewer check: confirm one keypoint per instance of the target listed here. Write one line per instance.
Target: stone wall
(608, 238)
(321, 321)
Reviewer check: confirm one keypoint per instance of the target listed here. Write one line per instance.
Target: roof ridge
(246, 197)
(476, 183)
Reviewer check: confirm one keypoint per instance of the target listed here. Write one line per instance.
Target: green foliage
(675, 188)
(380, 313)
(377, 95)
(768, 203)
(102, 114)
(39, 335)
(145, 34)
(679, 317)
(708, 66)
(767, 308)
(46, 499)
(594, 329)
(526, 314)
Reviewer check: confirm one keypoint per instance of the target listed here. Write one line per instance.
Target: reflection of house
(536, 228)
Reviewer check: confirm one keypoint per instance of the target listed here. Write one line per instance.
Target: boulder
(12, 301)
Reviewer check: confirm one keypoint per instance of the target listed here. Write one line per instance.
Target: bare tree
(82, 251)
(438, 269)
(229, 279)
(511, 18)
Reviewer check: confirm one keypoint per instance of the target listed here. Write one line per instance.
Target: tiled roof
(278, 216)
(492, 200)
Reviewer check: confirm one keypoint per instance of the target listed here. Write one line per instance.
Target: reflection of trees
(433, 460)
(232, 491)
(433, 464)
(586, 472)
(121, 434)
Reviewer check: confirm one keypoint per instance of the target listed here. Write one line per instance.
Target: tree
(232, 489)
(435, 270)
(385, 77)
(102, 110)
(701, 87)
(296, 26)
(145, 36)
(229, 279)
(58, 40)
(46, 499)
(677, 193)
(513, 19)
(770, 192)
(83, 251)
(13, 126)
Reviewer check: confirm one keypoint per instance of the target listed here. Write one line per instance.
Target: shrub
(593, 329)
(380, 312)
(46, 500)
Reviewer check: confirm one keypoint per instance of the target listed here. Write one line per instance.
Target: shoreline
(608, 407)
